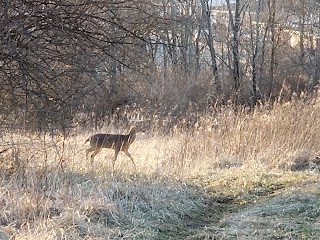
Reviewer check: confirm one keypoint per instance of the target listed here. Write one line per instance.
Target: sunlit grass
(186, 181)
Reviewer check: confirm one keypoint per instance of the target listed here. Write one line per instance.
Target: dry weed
(50, 191)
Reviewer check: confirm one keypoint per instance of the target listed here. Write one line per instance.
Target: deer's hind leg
(96, 151)
(88, 151)
(131, 158)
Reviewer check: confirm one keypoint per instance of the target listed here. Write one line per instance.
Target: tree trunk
(235, 22)
(255, 51)
(206, 14)
(272, 13)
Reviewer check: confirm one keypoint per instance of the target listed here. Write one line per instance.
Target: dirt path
(284, 213)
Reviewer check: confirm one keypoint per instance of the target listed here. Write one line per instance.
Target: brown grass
(226, 176)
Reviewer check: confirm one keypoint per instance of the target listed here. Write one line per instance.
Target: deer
(118, 142)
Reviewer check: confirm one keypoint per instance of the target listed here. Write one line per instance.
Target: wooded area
(64, 62)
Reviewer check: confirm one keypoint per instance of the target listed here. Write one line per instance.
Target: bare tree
(57, 56)
(255, 38)
(235, 23)
(207, 18)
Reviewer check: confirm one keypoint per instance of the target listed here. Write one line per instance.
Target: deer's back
(114, 141)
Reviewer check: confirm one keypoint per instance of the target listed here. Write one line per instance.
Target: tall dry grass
(50, 191)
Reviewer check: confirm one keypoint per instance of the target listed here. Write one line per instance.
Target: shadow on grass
(83, 204)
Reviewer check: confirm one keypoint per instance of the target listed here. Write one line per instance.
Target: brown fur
(117, 142)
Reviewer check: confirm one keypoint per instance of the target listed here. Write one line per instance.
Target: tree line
(61, 59)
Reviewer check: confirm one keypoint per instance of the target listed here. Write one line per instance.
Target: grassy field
(229, 176)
